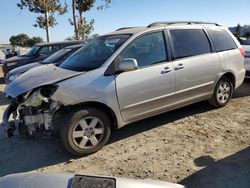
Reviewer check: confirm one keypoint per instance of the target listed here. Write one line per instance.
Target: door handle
(166, 70)
(179, 67)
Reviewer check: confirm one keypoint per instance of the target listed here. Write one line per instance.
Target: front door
(149, 89)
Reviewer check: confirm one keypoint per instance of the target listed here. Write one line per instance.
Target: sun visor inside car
(81, 181)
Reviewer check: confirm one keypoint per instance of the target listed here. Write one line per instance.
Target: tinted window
(221, 39)
(45, 50)
(189, 42)
(32, 51)
(147, 50)
(59, 54)
(95, 53)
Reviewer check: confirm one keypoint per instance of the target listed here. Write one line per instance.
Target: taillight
(242, 52)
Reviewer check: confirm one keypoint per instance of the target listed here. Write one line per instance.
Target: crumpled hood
(36, 77)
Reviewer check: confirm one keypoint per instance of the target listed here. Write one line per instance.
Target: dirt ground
(197, 146)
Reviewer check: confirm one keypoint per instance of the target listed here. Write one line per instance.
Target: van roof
(134, 30)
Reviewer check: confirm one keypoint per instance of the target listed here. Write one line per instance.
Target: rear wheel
(222, 93)
(85, 131)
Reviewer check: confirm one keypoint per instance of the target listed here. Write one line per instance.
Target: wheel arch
(231, 76)
(92, 104)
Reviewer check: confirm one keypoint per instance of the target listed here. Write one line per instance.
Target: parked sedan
(246, 46)
(39, 52)
(56, 58)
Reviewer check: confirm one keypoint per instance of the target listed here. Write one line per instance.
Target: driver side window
(147, 50)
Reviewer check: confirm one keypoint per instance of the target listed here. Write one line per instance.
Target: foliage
(34, 40)
(24, 40)
(41, 22)
(85, 28)
(238, 31)
(41, 6)
(47, 8)
(81, 26)
(19, 40)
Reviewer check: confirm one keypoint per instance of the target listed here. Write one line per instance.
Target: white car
(246, 46)
(49, 180)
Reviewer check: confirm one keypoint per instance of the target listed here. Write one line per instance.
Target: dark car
(39, 52)
(56, 58)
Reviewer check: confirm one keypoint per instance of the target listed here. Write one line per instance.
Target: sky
(124, 13)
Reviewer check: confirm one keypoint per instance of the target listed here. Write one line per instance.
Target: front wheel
(85, 131)
(222, 93)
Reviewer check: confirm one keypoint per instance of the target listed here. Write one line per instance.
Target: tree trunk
(81, 24)
(47, 25)
(74, 20)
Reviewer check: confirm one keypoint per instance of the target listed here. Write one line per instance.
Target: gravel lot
(197, 146)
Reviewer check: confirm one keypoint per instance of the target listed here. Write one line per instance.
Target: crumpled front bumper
(8, 126)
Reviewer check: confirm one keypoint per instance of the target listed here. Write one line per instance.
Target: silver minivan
(123, 77)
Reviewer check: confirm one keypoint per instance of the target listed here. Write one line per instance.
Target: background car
(39, 52)
(56, 58)
(246, 46)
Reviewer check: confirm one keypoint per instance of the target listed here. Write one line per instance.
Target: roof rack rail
(124, 28)
(181, 22)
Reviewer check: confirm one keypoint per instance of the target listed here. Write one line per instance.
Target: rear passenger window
(189, 42)
(221, 39)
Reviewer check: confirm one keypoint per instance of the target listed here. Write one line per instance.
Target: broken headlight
(48, 91)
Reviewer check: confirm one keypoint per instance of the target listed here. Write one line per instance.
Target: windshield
(95, 53)
(54, 57)
(32, 51)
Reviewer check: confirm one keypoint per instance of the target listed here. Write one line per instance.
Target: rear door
(196, 67)
(149, 89)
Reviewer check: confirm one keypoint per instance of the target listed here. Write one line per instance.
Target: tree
(24, 40)
(47, 8)
(19, 40)
(34, 40)
(82, 27)
(238, 31)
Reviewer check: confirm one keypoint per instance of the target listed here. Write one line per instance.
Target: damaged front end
(32, 112)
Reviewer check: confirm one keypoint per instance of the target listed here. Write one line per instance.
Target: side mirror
(128, 64)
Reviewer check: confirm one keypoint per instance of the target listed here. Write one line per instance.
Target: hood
(36, 77)
(56, 180)
(17, 59)
(24, 68)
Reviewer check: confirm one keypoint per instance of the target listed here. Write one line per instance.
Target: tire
(222, 93)
(85, 131)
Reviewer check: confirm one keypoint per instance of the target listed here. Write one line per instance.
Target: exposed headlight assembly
(48, 91)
